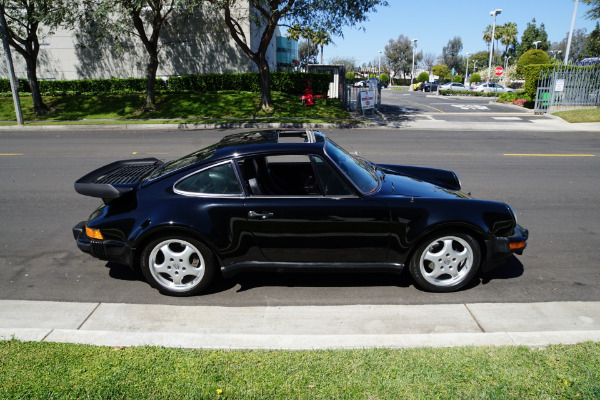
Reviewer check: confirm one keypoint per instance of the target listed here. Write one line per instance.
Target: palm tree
(509, 35)
(321, 38)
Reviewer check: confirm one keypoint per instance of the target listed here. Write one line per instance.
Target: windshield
(358, 171)
(171, 166)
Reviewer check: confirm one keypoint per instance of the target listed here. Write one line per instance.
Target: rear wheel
(445, 262)
(177, 265)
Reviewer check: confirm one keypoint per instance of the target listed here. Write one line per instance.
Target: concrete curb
(301, 327)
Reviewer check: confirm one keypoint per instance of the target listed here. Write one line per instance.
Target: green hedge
(467, 93)
(287, 82)
(532, 73)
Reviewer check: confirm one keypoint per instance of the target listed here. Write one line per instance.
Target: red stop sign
(499, 71)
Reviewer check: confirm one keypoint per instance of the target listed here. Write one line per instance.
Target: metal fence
(352, 98)
(567, 87)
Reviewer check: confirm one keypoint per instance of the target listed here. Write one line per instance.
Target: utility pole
(14, 83)
(571, 33)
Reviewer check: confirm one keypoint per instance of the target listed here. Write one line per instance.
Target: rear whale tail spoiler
(116, 179)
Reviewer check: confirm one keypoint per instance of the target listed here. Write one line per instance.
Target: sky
(435, 22)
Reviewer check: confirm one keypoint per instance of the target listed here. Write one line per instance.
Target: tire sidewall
(207, 256)
(415, 268)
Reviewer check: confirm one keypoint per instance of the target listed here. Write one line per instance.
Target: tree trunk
(150, 104)
(38, 104)
(265, 86)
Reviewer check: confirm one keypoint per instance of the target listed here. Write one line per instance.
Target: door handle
(259, 215)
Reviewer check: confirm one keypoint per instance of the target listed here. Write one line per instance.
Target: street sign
(499, 71)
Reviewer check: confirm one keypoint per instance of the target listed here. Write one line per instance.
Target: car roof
(246, 143)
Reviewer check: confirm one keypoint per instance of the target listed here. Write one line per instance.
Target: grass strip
(173, 106)
(583, 115)
(61, 371)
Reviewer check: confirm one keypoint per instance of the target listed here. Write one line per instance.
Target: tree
(594, 12)
(24, 19)
(423, 77)
(532, 56)
(593, 43)
(487, 34)
(450, 54)
(322, 38)
(399, 55)
(307, 52)
(144, 19)
(428, 61)
(578, 44)
(508, 35)
(348, 62)
(533, 34)
(326, 15)
(479, 60)
(441, 70)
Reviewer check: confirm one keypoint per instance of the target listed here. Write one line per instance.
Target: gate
(567, 87)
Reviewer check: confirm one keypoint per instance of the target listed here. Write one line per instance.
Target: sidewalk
(297, 328)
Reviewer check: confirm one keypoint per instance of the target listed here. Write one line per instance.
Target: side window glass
(216, 180)
(331, 182)
(280, 175)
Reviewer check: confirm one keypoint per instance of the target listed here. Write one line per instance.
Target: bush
(350, 76)
(287, 82)
(423, 77)
(385, 78)
(457, 78)
(531, 57)
(475, 78)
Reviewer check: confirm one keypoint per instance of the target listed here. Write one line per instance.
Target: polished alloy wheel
(446, 261)
(176, 265)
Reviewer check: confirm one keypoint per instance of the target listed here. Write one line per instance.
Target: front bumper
(107, 250)
(500, 248)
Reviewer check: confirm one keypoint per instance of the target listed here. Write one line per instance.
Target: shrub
(531, 57)
(385, 78)
(350, 76)
(475, 78)
(457, 78)
(423, 77)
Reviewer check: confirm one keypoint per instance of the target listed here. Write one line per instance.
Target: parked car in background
(428, 86)
(491, 87)
(290, 201)
(361, 84)
(453, 86)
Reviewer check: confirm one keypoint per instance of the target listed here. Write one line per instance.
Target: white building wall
(201, 45)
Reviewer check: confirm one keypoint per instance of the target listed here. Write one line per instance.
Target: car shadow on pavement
(249, 281)
(123, 272)
(512, 268)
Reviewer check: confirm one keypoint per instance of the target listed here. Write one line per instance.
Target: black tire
(177, 265)
(445, 262)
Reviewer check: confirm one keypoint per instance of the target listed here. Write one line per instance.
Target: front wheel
(445, 263)
(177, 266)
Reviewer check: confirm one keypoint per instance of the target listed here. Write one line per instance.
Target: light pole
(379, 72)
(555, 53)
(571, 33)
(506, 58)
(536, 43)
(467, 73)
(497, 11)
(412, 74)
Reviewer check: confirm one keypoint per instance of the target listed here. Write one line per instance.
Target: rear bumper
(499, 248)
(107, 250)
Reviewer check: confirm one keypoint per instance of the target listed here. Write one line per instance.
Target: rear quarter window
(217, 180)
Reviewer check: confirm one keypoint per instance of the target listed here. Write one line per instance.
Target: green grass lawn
(221, 106)
(583, 115)
(34, 370)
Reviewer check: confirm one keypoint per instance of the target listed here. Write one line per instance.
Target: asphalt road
(556, 198)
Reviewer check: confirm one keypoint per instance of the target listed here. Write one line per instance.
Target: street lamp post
(412, 74)
(493, 14)
(467, 73)
(379, 72)
(571, 33)
(536, 43)
(506, 58)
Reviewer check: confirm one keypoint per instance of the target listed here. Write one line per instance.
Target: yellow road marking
(11, 154)
(552, 155)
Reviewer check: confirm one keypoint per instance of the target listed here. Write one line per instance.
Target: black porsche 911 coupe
(290, 201)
